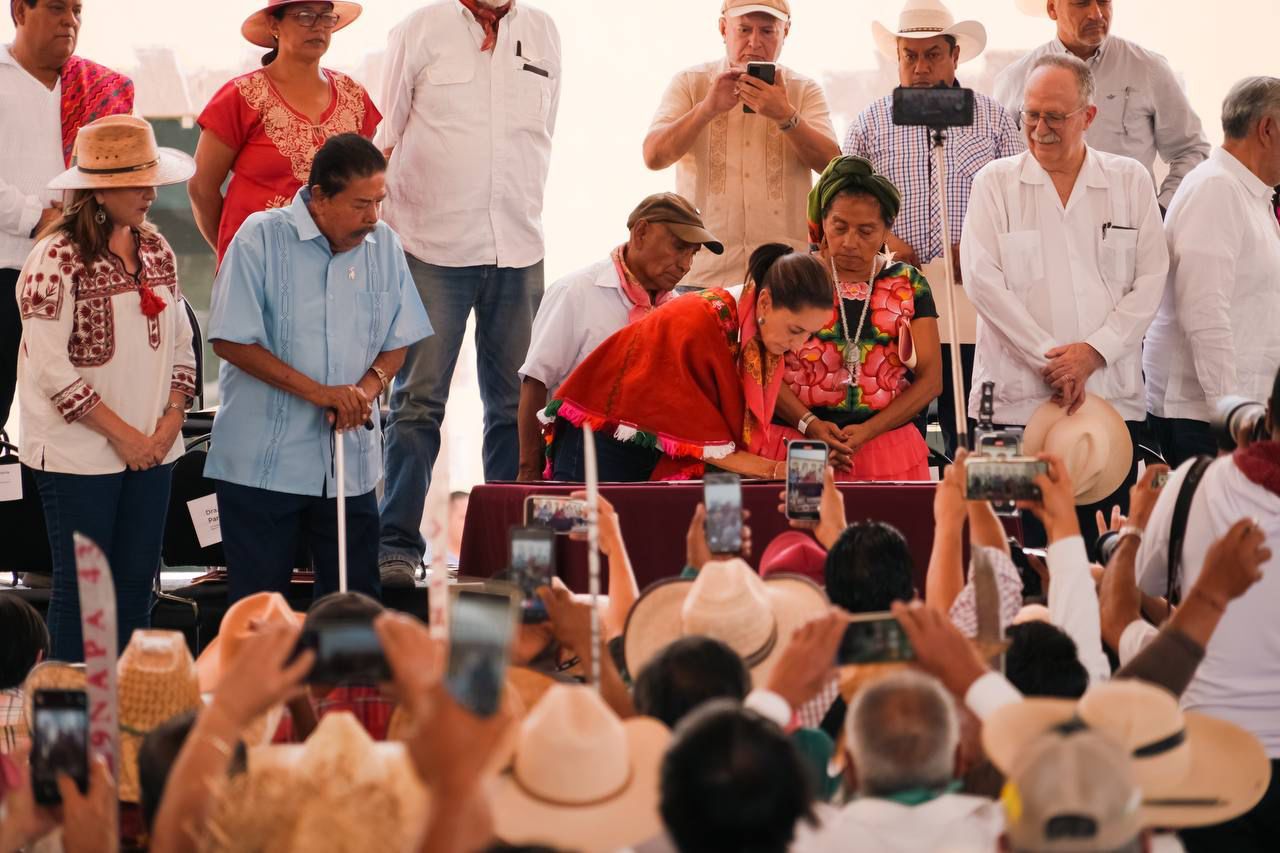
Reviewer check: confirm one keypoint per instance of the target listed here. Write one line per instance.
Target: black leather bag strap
(1178, 527)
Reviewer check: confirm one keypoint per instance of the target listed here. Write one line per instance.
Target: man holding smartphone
(744, 149)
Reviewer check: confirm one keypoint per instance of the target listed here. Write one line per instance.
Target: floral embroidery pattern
(718, 149)
(884, 377)
(818, 375)
(296, 138)
(774, 161)
(183, 380)
(75, 401)
(41, 296)
(726, 314)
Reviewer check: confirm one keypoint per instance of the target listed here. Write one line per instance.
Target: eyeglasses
(1030, 118)
(326, 20)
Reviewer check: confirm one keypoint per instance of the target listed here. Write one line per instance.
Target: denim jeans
(261, 530)
(124, 514)
(505, 301)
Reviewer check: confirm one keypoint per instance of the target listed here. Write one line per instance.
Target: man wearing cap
(1064, 259)
(927, 45)
(744, 151)
(1142, 110)
(582, 309)
(46, 95)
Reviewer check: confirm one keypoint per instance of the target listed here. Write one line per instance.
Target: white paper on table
(10, 482)
(204, 518)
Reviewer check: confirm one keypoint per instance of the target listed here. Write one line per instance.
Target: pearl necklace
(853, 363)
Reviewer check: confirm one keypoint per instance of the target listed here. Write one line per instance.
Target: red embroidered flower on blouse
(817, 374)
(883, 377)
(892, 303)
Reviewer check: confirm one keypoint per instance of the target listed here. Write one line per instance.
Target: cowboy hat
(1194, 770)
(156, 681)
(1034, 8)
(257, 27)
(728, 602)
(924, 19)
(120, 151)
(1094, 443)
(582, 778)
(262, 608)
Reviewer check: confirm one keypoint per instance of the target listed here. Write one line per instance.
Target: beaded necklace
(853, 348)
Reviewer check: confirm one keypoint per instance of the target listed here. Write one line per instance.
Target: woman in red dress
(265, 127)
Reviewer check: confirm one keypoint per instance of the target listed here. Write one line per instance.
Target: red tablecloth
(655, 517)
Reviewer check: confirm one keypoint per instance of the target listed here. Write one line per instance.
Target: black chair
(24, 543)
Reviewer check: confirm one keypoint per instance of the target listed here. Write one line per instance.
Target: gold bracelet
(382, 376)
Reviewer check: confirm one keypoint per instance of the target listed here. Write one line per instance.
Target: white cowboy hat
(1194, 770)
(582, 779)
(923, 19)
(1034, 8)
(121, 151)
(1094, 443)
(728, 602)
(257, 27)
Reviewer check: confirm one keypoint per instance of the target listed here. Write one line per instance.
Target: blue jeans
(262, 531)
(505, 301)
(124, 514)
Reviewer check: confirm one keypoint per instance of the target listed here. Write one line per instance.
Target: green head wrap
(849, 173)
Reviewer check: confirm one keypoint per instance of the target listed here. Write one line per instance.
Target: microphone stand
(938, 136)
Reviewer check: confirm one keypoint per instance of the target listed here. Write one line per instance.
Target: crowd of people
(779, 294)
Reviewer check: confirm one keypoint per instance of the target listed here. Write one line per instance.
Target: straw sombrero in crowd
(1034, 8)
(257, 27)
(924, 19)
(1194, 770)
(582, 778)
(50, 675)
(156, 680)
(120, 151)
(728, 602)
(1094, 443)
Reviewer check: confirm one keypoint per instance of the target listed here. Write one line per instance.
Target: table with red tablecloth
(655, 517)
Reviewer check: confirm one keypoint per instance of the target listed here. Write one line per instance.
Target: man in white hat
(927, 46)
(749, 172)
(1142, 110)
(1224, 248)
(1064, 259)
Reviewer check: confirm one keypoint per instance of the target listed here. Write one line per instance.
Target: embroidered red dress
(274, 143)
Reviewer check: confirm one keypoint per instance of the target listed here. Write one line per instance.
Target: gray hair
(902, 732)
(1248, 102)
(1072, 63)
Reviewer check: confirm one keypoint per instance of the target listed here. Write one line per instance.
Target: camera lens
(1233, 416)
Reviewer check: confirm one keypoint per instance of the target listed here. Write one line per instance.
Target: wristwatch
(791, 123)
(382, 376)
(803, 426)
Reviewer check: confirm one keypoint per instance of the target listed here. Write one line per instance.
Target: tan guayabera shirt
(742, 173)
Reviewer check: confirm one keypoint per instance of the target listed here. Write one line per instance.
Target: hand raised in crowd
(949, 501)
(1068, 370)
(840, 449)
(1232, 564)
(89, 820)
(570, 618)
(24, 820)
(831, 514)
(723, 94)
(415, 659)
(610, 529)
(769, 100)
(697, 552)
(809, 660)
(1056, 508)
(263, 675)
(940, 649)
(348, 405)
(1142, 500)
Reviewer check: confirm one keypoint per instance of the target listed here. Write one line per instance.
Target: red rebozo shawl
(89, 92)
(680, 381)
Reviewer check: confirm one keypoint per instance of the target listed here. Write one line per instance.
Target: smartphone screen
(346, 653)
(60, 742)
(722, 497)
(557, 514)
(874, 638)
(480, 628)
(533, 555)
(1003, 480)
(806, 464)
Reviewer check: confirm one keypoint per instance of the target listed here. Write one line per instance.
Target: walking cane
(340, 474)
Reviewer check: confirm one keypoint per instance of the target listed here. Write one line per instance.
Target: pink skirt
(899, 454)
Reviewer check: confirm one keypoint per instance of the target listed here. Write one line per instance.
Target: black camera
(939, 106)
(1236, 416)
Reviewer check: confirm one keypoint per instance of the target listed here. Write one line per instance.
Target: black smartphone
(939, 106)
(763, 71)
(874, 638)
(347, 652)
(533, 563)
(1003, 480)
(481, 624)
(806, 465)
(59, 742)
(722, 498)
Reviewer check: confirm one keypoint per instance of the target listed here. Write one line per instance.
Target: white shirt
(1142, 110)
(1218, 328)
(472, 134)
(31, 139)
(1042, 275)
(1073, 604)
(952, 823)
(577, 313)
(1239, 678)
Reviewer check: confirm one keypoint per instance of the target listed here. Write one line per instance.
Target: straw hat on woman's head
(257, 27)
(120, 151)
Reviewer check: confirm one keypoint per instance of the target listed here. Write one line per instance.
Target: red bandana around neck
(488, 19)
(89, 92)
(633, 291)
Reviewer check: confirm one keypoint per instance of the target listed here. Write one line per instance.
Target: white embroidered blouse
(86, 341)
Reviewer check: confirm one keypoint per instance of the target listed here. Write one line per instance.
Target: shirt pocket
(1022, 259)
(373, 321)
(445, 86)
(531, 92)
(1118, 255)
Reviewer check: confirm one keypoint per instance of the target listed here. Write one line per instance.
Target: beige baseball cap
(678, 214)
(780, 9)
